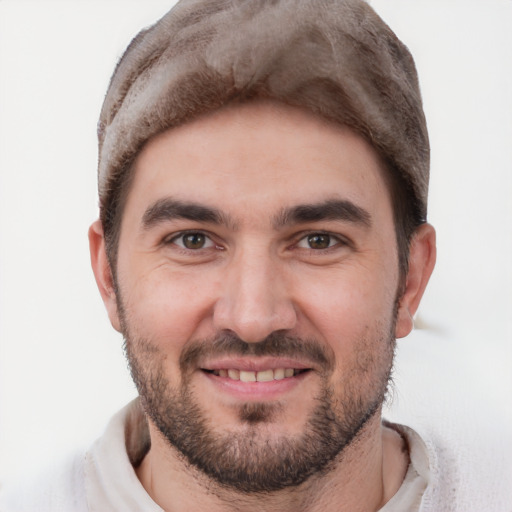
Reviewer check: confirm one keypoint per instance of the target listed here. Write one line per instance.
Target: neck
(363, 478)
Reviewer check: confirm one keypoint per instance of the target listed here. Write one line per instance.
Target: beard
(251, 459)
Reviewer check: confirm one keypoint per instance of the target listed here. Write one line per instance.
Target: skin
(255, 276)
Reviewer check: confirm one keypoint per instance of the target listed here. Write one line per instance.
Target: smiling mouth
(260, 376)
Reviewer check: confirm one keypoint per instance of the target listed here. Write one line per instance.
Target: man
(262, 242)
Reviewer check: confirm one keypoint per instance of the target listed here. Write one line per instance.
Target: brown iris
(194, 240)
(319, 241)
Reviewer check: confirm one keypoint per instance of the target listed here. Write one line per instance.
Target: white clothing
(103, 479)
(409, 496)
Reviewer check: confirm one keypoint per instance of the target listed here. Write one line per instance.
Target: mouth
(265, 375)
(256, 379)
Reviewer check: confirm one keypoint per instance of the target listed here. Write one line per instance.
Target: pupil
(193, 241)
(319, 241)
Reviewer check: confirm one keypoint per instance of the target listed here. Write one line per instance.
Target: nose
(254, 298)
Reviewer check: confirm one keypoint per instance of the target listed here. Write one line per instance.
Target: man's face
(257, 278)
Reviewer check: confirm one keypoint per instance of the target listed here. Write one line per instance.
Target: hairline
(397, 187)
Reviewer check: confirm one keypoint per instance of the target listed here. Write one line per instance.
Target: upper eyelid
(172, 238)
(177, 234)
(341, 242)
(304, 234)
(293, 239)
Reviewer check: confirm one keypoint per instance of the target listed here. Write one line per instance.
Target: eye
(192, 241)
(318, 241)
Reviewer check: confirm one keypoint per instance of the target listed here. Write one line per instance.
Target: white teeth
(247, 376)
(234, 374)
(265, 376)
(261, 376)
(279, 374)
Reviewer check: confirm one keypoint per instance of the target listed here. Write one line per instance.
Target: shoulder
(470, 470)
(463, 426)
(101, 477)
(456, 478)
(61, 488)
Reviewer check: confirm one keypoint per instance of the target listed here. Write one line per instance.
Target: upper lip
(252, 364)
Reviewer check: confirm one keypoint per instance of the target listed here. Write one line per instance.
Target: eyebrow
(333, 209)
(170, 209)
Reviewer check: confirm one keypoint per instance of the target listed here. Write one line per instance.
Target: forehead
(267, 155)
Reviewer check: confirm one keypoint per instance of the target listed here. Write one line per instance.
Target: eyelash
(180, 236)
(334, 241)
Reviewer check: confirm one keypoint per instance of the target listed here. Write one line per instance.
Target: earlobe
(103, 273)
(422, 258)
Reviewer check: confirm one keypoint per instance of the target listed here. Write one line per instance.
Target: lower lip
(256, 391)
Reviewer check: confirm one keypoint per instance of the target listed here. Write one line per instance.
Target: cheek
(169, 308)
(355, 320)
(353, 315)
(345, 303)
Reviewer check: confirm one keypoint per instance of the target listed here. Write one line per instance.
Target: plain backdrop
(62, 370)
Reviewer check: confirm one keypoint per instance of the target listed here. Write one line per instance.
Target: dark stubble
(250, 460)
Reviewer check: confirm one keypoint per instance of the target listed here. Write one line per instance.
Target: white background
(62, 371)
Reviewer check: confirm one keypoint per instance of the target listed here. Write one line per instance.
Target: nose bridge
(255, 298)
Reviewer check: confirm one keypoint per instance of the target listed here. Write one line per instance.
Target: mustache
(277, 344)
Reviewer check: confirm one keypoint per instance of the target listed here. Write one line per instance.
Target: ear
(422, 258)
(103, 273)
